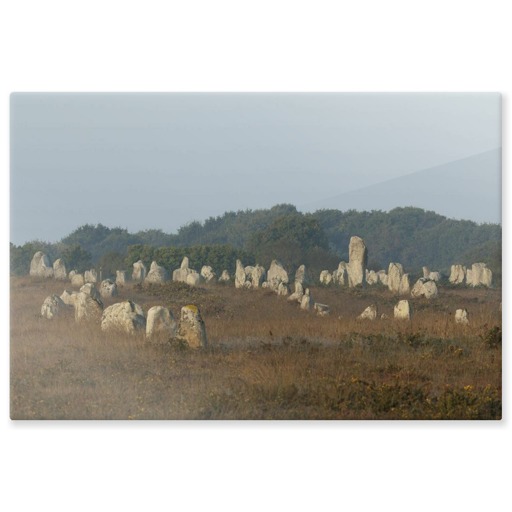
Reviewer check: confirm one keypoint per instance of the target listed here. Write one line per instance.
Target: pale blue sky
(142, 161)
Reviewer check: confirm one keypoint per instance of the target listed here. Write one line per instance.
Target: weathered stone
(91, 290)
(403, 310)
(297, 294)
(139, 272)
(370, 313)
(469, 277)
(224, 277)
(276, 275)
(435, 276)
(160, 325)
(91, 276)
(255, 275)
(325, 277)
(157, 274)
(372, 277)
(395, 273)
(120, 277)
(306, 300)
(479, 275)
(193, 278)
(240, 275)
(52, 306)
(108, 288)
(69, 297)
(301, 276)
(321, 309)
(77, 280)
(40, 265)
(461, 317)
(357, 262)
(383, 277)
(426, 272)
(192, 328)
(282, 290)
(340, 276)
(124, 316)
(424, 288)
(87, 308)
(71, 274)
(59, 270)
(207, 273)
(457, 274)
(405, 285)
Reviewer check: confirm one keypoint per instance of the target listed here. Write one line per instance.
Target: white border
(253, 46)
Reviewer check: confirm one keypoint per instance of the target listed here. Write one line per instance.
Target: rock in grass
(461, 317)
(120, 277)
(403, 310)
(52, 306)
(322, 309)
(139, 272)
(157, 274)
(77, 279)
(457, 274)
(108, 288)
(370, 313)
(192, 329)
(124, 316)
(160, 325)
(91, 276)
(59, 270)
(357, 262)
(69, 297)
(87, 308)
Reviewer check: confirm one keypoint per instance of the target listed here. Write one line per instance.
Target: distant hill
(469, 188)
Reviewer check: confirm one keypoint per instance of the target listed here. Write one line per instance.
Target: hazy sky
(142, 161)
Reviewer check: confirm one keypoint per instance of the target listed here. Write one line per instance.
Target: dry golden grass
(266, 359)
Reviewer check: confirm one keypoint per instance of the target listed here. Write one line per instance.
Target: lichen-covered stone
(192, 328)
(124, 316)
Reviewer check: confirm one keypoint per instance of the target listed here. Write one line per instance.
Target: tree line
(411, 236)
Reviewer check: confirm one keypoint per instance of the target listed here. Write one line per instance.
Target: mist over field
(159, 161)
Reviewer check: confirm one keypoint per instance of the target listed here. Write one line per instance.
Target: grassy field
(266, 358)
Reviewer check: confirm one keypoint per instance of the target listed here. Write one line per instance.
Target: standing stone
(479, 275)
(192, 328)
(59, 270)
(405, 285)
(276, 275)
(403, 310)
(426, 272)
(120, 277)
(435, 276)
(370, 313)
(91, 276)
(207, 273)
(156, 274)
(139, 271)
(282, 290)
(224, 277)
(469, 277)
(193, 278)
(325, 277)
(424, 288)
(255, 275)
(91, 290)
(395, 273)
(160, 325)
(181, 273)
(457, 274)
(340, 276)
(52, 306)
(383, 277)
(77, 280)
(461, 317)
(239, 275)
(69, 297)
(297, 294)
(300, 276)
(372, 277)
(87, 308)
(108, 288)
(357, 262)
(306, 300)
(40, 265)
(124, 316)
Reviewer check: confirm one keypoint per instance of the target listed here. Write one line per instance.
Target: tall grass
(267, 359)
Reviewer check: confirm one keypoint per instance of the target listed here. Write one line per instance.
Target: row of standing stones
(351, 274)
